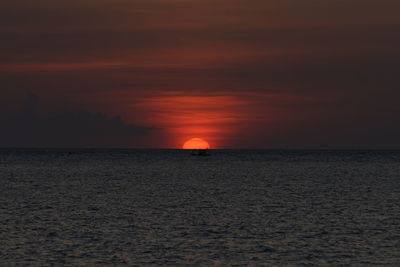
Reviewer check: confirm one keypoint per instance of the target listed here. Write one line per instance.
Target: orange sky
(213, 118)
(258, 74)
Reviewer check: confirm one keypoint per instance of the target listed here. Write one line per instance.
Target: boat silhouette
(201, 152)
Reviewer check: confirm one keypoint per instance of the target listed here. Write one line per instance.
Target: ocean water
(165, 207)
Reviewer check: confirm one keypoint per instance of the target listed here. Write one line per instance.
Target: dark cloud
(73, 129)
(341, 56)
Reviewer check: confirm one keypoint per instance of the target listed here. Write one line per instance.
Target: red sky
(240, 74)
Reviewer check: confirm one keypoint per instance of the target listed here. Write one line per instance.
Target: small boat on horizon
(201, 152)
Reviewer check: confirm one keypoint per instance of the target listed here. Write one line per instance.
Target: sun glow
(215, 118)
(196, 143)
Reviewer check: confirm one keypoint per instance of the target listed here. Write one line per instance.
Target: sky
(302, 74)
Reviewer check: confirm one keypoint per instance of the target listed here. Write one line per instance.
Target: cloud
(76, 128)
(308, 68)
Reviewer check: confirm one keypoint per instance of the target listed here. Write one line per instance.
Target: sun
(196, 143)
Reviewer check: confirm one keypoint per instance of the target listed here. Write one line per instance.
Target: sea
(116, 207)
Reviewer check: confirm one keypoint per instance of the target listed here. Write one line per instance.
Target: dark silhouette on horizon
(27, 128)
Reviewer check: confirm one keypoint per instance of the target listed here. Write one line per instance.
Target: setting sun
(196, 143)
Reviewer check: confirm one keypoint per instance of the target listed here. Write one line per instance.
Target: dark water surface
(165, 207)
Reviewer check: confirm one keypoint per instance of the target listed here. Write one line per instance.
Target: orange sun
(196, 143)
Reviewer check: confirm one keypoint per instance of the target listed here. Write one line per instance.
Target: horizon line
(136, 148)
